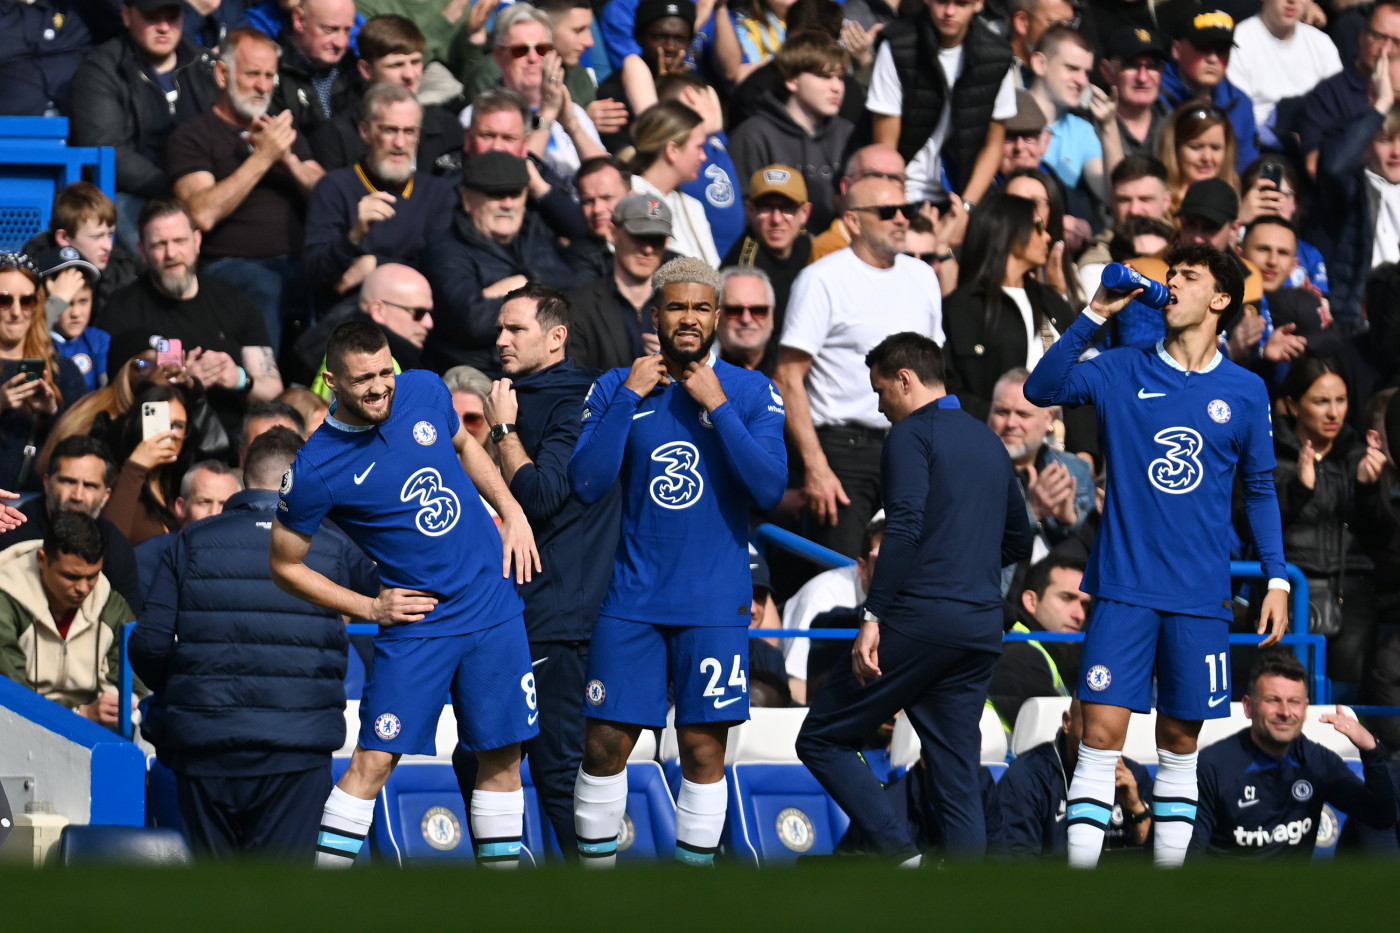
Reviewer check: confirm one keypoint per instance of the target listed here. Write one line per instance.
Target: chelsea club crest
(424, 433)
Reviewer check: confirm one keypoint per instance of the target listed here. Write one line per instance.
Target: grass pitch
(847, 894)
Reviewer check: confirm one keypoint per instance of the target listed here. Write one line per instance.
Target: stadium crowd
(961, 169)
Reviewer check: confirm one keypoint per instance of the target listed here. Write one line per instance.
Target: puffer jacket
(71, 671)
(1323, 530)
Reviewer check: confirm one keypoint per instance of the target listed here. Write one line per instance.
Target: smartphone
(1272, 171)
(1086, 97)
(33, 369)
(155, 418)
(169, 352)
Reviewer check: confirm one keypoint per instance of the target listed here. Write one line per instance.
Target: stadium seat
(649, 826)
(769, 735)
(82, 845)
(1040, 717)
(1325, 735)
(778, 811)
(354, 676)
(1213, 730)
(905, 748)
(162, 797)
(420, 816)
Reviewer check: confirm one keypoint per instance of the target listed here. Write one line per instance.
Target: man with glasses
(874, 161)
(562, 135)
(611, 326)
(1276, 58)
(776, 239)
(247, 177)
(746, 304)
(1133, 67)
(381, 208)
(1202, 40)
(400, 301)
(1337, 102)
(841, 306)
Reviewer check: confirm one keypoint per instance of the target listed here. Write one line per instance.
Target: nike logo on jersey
(1143, 393)
(361, 477)
(721, 704)
(643, 414)
(539, 662)
(532, 718)
(1213, 702)
(1246, 803)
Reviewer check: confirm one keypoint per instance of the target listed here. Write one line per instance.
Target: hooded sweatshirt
(71, 671)
(772, 137)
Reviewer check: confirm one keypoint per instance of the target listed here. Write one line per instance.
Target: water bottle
(1120, 278)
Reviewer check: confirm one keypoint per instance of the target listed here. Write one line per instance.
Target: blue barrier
(124, 685)
(35, 162)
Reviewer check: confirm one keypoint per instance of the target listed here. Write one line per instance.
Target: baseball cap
(495, 172)
(758, 568)
(150, 6)
(1213, 199)
(55, 260)
(649, 11)
(1128, 42)
(641, 215)
(1203, 28)
(1029, 117)
(778, 179)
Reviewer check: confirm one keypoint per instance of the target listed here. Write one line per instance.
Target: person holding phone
(35, 383)
(154, 444)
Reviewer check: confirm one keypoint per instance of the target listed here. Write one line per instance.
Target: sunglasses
(1205, 113)
(929, 258)
(418, 313)
(737, 311)
(1039, 223)
(887, 211)
(26, 302)
(473, 420)
(520, 51)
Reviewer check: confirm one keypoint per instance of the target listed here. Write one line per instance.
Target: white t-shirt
(886, 98)
(1270, 70)
(561, 155)
(841, 307)
(690, 228)
(839, 588)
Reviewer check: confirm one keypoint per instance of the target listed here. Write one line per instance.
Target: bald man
(873, 161)
(399, 299)
(317, 74)
(841, 306)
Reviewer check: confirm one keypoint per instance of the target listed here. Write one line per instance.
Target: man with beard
(695, 444)
(246, 178)
(224, 335)
(393, 468)
(381, 209)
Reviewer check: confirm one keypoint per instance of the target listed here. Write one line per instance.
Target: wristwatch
(499, 432)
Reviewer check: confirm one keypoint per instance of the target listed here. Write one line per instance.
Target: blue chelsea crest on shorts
(1098, 677)
(596, 692)
(387, 726)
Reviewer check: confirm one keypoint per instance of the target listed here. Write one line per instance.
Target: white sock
(1090, 804)
(599, 805)
(1174, 798)
(913, 861)
(344, 825)
(700, 821)
(497, 820)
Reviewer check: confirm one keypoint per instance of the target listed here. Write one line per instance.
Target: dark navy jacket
(1236, 105)
(1031, 799)
(250, 678)
(1255, 806)
(955, 517)
(1346, 230)
(576, 541)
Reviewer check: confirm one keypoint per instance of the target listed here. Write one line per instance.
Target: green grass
(851, 895)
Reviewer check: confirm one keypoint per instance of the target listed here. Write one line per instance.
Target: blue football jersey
(1172, 441)
(688, 479)
(399, 491)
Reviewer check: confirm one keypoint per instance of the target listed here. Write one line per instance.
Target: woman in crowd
(143, 497)
(1197, 143)
(669, 150)
(1059, 272)
(1322, 462)
(31, 393)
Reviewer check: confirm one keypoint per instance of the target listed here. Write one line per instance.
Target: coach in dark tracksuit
(536, 418)
(931, 630)
(249, 678)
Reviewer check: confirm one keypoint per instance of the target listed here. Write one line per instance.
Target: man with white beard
(246, 178)
(380, 209)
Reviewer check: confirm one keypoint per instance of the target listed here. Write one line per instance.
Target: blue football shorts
(630, 665)
(1126, 644)
(486, 674)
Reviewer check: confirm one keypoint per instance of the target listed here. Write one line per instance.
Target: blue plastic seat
(649, 827)
(83, 845)
(778, 812)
